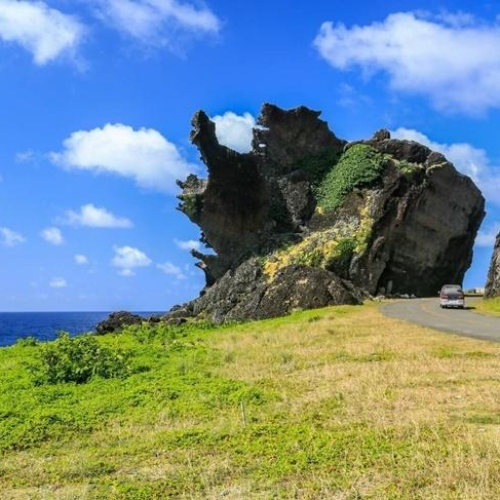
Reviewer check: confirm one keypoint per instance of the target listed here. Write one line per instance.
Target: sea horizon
(45, 325)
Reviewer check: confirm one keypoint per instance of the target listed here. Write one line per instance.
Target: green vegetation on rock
(318, 166)
(360, 166)
(191, 205)
(330, 249)
(407, 168)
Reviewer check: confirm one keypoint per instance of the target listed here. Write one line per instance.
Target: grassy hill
(340, 403)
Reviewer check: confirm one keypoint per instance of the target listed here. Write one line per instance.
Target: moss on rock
(331, 249)
(360, 166)
(317, 167)
(191, 205)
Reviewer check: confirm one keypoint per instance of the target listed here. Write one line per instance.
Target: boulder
(117, 321)
(307, 220)
(493, 285)
(246, 293)
(300, 287)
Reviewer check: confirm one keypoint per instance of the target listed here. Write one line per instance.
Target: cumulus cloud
(46, 33)
(53, 235)
(11, 238)
(235, 131)
(58, 283)
(158, 22)
(81, 259)
(92, 216)
(172, 270)
(452, 60)
(128, 258)
(188, 244)
(468, 159)
(143, 155)
(487, 237)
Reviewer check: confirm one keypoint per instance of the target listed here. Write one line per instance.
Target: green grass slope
(336, 403)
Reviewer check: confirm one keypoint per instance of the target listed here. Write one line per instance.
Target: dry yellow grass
(361, 407)
(426, 386)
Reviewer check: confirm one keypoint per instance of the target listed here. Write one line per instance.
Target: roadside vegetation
(489, 306)
(340, 403)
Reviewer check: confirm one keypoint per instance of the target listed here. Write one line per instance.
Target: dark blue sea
(45, 326)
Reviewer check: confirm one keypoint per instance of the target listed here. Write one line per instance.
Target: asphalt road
(426, 312)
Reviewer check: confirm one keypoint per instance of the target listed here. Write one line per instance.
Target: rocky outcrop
(493, 285)
(117, 321)
(306, 219)
(249, 199)
(246, 293)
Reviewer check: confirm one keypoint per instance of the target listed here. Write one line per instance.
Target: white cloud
(188, 245)
(128, 273)
(58, 283)
(53, 235)
(158, 22)
(172, 270)
(81, 259)
(234, 131)
(128, 258)
(46, 33)
(143, 155)
(452, 60)
(26, 157)
(469, 160)
(11, 238)
(92, 216)
(487, 237)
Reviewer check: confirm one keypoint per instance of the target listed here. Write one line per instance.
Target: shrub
(79, 359)
(318, 166)
(27, 342)
(360, 166)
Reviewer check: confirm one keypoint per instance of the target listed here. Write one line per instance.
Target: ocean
(45, 326)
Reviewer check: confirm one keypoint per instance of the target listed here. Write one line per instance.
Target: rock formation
(117, 321)
(307, 220)
(493, 285)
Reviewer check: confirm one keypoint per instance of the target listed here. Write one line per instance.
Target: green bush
(79, 359)
(318, 166)
(27, 342)
(360, 166)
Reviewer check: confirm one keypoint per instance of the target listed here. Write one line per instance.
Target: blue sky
(96, 98)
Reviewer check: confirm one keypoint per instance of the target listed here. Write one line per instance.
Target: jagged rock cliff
(493, 285)
(306, 219)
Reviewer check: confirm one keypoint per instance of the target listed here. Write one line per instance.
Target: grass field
(489, 306)
(340, 403)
